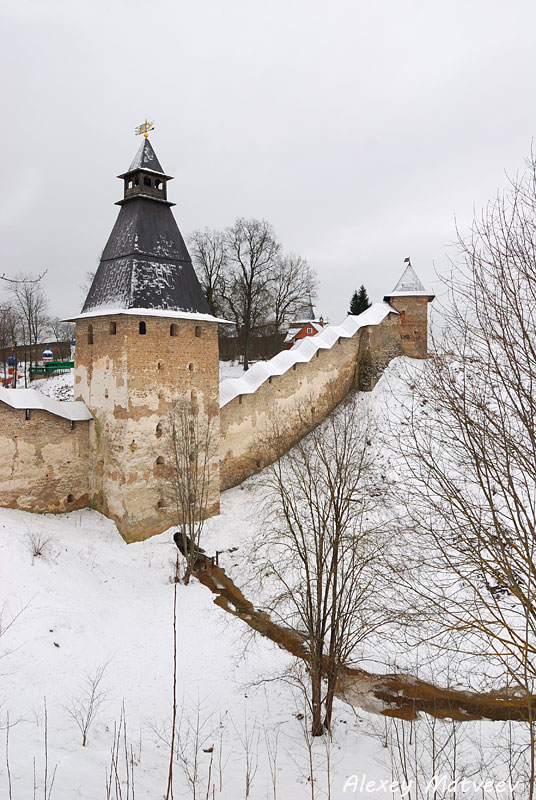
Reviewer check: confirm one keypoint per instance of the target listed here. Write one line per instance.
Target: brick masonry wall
(45, 462)
(413, 324)
(130, 382)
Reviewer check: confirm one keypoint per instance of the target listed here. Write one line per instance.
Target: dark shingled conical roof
(146, 158)
(145, 263)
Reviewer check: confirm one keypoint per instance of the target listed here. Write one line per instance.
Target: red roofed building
(306, 324)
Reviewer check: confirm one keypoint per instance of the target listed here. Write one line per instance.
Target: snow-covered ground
(88, 600)
(230, 369)
(59, 387)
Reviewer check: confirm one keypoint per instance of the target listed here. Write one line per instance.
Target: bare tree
(249, 739)
(9, 331)
(445, 758)
(120, 783)
(6, 624)
(428, 757)
(293, 281)
(169, 789)
(30, 304)
(8, 768)
(61, 330)
(88, 280)
(271, 740)
(194, 742)
(253, 251)
(47, 786)
(192, 447)
(244, 275)
(322, 544)
(87, 705)
(209, 255)
(470, 451)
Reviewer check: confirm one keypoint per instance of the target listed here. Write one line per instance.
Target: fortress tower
(410, 299)
(145, 340)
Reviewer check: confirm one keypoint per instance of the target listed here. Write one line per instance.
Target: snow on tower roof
(111, 311)
(146, 264)
(146, 158)
(73, 410)
(409, 285)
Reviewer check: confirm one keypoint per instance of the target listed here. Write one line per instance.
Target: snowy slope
(60, 387)
(89, 600)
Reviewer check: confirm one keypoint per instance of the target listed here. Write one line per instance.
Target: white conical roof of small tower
(409, 285)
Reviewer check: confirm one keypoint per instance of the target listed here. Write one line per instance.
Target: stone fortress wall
(147, 352)
(44, 460)
(109, 459)
(277, 402)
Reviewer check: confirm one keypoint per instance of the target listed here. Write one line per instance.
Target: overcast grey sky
(358, 128)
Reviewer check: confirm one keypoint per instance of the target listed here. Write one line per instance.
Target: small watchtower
(145, 339)
(410, 299)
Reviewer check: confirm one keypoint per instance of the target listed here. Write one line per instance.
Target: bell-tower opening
(145, 177)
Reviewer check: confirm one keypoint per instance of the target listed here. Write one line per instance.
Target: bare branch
(3, 277)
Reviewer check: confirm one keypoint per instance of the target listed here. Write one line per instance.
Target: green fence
(53, 368)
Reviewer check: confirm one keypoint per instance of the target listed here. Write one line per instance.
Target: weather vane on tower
(144, 128)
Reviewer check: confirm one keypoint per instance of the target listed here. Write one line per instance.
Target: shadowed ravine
(394, 695)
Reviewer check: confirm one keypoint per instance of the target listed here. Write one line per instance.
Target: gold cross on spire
(144, 128)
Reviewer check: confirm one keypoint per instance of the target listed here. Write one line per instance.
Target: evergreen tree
(359, 302)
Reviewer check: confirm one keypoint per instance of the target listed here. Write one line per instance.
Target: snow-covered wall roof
(73, 410)
(303, 351)
(149, 312)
